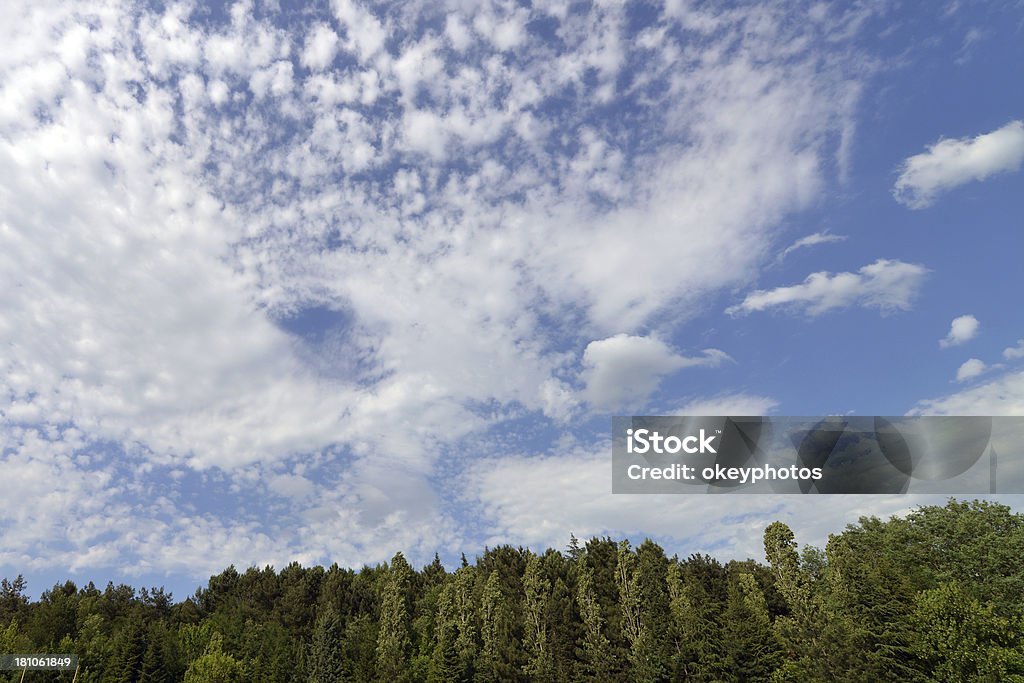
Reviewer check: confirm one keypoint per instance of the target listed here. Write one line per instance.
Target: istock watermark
(808, 455)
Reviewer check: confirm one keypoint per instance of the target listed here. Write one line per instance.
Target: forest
(936, 595)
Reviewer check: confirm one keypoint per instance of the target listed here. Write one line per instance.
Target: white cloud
(1014, 352)
(811, 241)
(971, 368)
(729, 404)
(365, 32)
(321, 47)
(274, 80)
(963, 329)
(569, 492)
(623, 371)
(1003, 395)
(885, 284)
(157, 230)
(559, 400)
(291, 485)
(951, 163)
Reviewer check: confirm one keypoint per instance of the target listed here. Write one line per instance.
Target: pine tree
(159, 664)
(126, 666)
(13, 602)
(644, 609)
(575, 550)
(444, 661)
(496, 662)
(695, 632)
(595, 664)
(394, 644)
(649, 653)
(749, 645)
(541, 664)
(326, 661)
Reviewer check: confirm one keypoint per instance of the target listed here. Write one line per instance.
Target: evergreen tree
(360, 646)
(541, 664)
(444, 661)
(456, 629)
(160, 663)
(497, 661)
(867, 595)
(130, 649)
(465, 611)
(326, 661)
(749, 646)
(695, 633)
(594, 652)
(644, 601)
(928, 597)
(13, 602)
(563, 618)
(649, 654)
(393, 641)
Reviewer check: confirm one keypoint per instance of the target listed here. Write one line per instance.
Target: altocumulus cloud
(474, 201)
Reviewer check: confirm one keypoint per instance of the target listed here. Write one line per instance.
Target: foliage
(937, 595)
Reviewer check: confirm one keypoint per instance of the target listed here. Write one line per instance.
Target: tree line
(937, 595)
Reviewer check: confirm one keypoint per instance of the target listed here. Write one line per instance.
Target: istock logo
(645, 441)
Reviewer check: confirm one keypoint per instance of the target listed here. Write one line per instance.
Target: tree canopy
(936, 595)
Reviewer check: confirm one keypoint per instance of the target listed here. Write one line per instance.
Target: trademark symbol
(718, 431)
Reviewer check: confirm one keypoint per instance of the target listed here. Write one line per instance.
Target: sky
(322, 282)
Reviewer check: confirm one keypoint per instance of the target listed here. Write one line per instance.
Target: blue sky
(328, 282)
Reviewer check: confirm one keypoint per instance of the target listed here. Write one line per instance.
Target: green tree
(696, 633)
(541, 663)
(13, 602)
(821, 643)
(129, 650)
(394, 644)
(645, 608)
(959, 639)
(326, 652)
(214, 666)
(748, 642)
(594, 651)
(497, 662)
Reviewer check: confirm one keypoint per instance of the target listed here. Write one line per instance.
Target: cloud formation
(568, 491)
(887, 285)
(624, 370)
(729, 404)
(1003, 395)
(971, 368)
(963, 329)
(950, 163)
(472, 206)
(811, 240)
(1014, 352)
